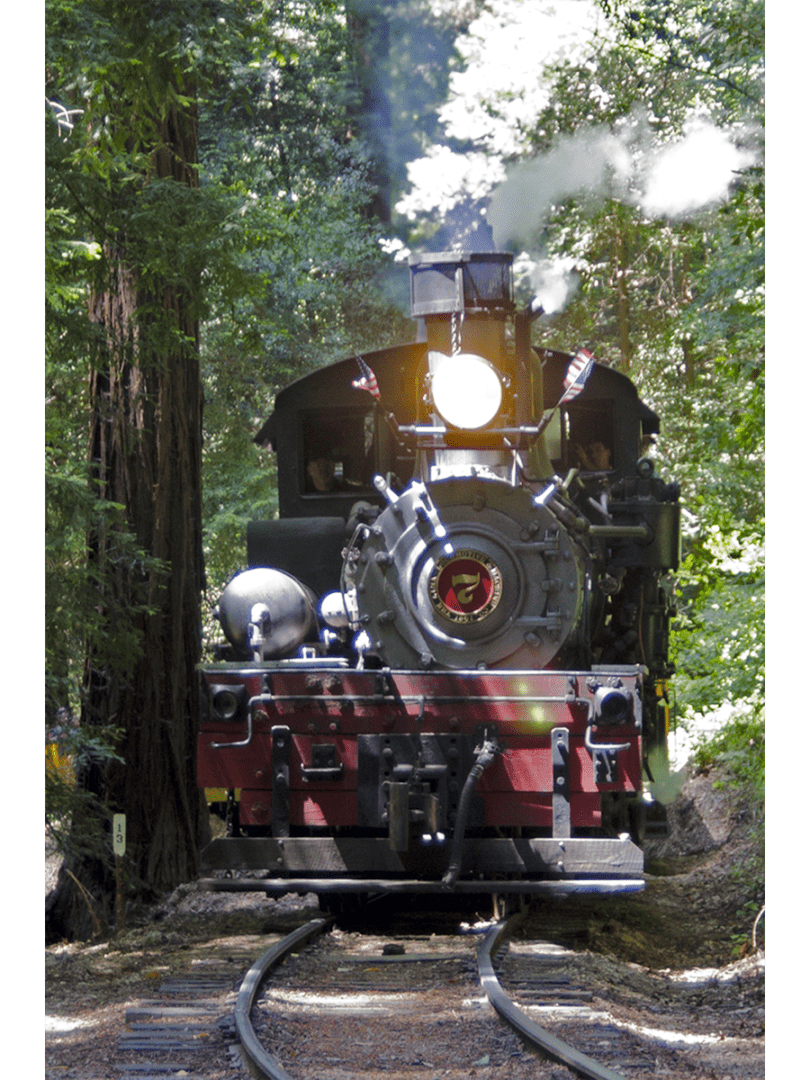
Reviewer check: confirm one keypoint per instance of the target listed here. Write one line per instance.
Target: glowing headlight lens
(467, 391)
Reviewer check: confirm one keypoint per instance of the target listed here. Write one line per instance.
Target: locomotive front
(446, 663)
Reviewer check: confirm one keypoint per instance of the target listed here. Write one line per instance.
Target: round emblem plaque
(465, 586)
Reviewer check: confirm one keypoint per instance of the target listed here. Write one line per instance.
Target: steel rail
(526, 1028)
(266, 1063)
(281, 886)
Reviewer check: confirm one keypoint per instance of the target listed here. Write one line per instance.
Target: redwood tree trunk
(145, 447)
(369, 35)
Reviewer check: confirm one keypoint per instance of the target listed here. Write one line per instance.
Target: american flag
(578, 373)
(367, 380)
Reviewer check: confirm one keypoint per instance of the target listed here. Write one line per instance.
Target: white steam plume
(694, 172)
(672, 180)
(550, 283)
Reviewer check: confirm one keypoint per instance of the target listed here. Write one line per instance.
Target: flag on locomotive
(577, 375)
(367, 380)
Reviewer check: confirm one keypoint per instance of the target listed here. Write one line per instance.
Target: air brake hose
(485, 756)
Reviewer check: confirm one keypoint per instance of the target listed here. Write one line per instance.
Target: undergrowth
(739, 750)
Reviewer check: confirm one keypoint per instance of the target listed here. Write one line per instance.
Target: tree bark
(145, 448)
(369, 36)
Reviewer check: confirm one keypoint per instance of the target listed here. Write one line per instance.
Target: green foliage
(75, 624)
(720, 649)
(740, 745)
(75, 818)
(717, 46)
(73, 585)
(737, 753)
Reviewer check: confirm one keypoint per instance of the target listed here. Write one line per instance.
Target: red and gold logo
(465, 586)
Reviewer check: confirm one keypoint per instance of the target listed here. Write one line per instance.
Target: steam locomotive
(446, 663)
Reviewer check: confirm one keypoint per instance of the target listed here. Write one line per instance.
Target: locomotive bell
(266, 613)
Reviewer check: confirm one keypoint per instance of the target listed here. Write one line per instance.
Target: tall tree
(132, 67)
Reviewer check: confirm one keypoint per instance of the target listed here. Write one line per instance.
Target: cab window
(587, 436)
(338, 451)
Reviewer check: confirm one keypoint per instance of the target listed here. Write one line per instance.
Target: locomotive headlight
(467, 391)
(228, 701)
(613, 706)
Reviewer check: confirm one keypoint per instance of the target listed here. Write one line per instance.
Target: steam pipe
(486, 755)
(643, 533)
(522, 353)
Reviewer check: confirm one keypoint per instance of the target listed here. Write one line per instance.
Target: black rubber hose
(485, 756)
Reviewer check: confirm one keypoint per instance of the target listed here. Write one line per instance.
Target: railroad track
(185, 1029)
(420, 1001)
(343, 1009)
(552, 992)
